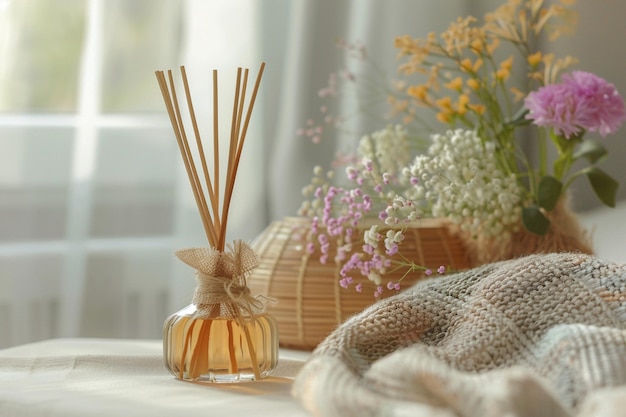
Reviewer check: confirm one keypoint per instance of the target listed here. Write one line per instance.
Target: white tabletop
(109, 377)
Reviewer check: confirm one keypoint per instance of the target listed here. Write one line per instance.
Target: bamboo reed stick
(213, 221)
(212, 197)
(231, 182)
(216, 152)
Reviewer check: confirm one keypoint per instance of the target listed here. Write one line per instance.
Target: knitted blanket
(543, 335)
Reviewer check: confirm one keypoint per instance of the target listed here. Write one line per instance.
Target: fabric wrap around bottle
(222, 288)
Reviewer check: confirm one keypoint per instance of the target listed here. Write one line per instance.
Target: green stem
(543, 153)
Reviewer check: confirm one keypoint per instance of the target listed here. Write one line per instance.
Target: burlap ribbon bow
(221, 280)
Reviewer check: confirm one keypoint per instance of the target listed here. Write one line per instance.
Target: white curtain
(93, 196)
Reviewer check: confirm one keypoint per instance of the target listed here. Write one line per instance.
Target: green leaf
(549, 192)
(534, 220)
(519, 119)
(591, 150)
(603, 185)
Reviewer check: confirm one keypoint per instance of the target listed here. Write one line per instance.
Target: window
(88, 167)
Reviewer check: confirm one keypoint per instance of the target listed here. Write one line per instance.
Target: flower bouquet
(493, 90)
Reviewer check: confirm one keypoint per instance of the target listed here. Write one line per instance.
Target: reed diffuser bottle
(224, 335)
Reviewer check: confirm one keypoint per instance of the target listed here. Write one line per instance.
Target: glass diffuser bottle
(224, 335)
(219, 349)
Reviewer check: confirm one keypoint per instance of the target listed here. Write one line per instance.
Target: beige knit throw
(542, 335)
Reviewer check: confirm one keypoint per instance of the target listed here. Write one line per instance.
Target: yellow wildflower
(523, 25)
(406, 45)
(535, 7)
(536, 75)
(473, 83)
(433, 78)
(507, 64)
(493, 46)
(502, 74)
(444, 117)
(534, 59)
(477, 46)
(467, 66)
(477, 108)
(569, 20)
(455, 84)
(502, 23)
(461, 106)
(554, 68)
(459, 35)
(477, 65)
(505, 69)
(420, 92)
(518, 95)
(416, 49)
(444, 103)
(397, 106)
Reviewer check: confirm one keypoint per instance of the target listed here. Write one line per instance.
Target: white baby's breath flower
(375, 277)
(370, 236)
(387, 148)
(461, 179)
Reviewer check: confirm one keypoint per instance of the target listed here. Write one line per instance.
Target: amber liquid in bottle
(219, 349)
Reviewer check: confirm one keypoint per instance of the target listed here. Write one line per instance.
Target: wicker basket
(310, 301)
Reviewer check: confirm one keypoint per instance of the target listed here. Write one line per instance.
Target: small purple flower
(368, 249)
(310, 248)
(393, 249)
(325, 248)
(378, 292)
(345, 282)
(367, 203)
(352, 173)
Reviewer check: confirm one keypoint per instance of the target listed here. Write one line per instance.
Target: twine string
(221, 281)
(232, 293)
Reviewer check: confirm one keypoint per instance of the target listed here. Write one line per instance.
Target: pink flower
(582, 101)
(554, 106)
(603, 107)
